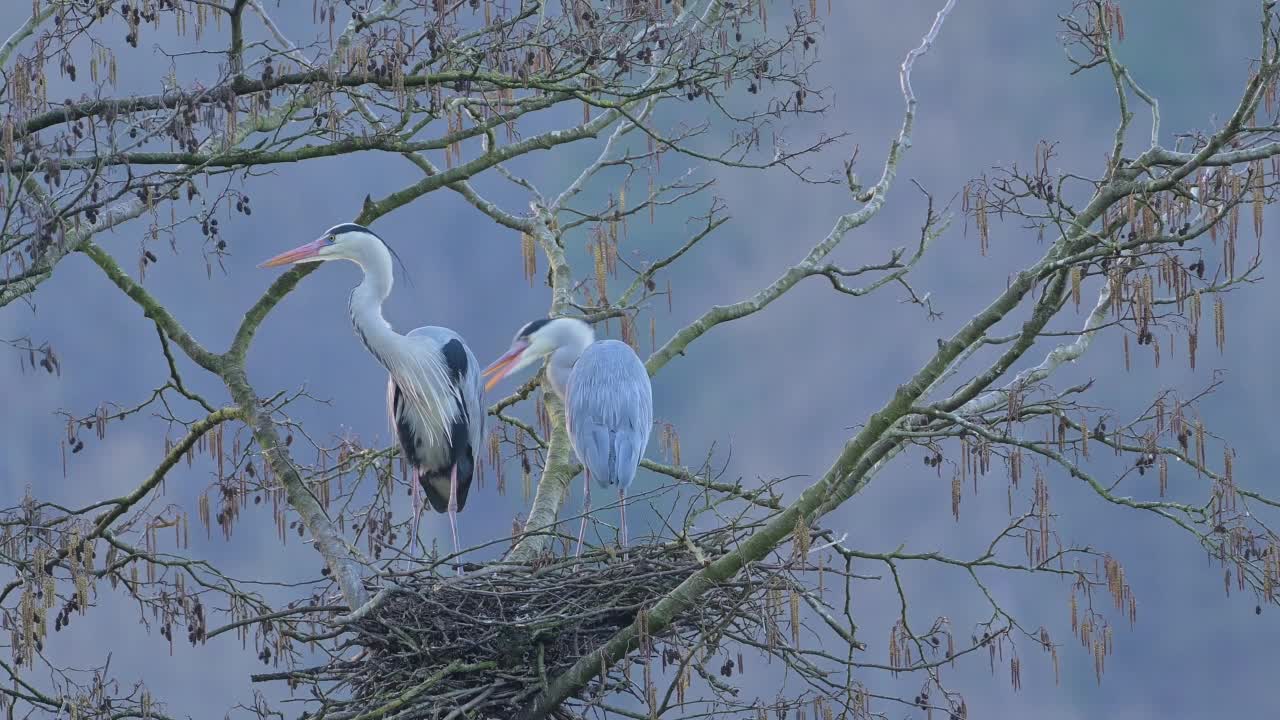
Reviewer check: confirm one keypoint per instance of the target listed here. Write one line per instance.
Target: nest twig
(488, 642)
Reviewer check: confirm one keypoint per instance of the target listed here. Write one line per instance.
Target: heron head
(535, 341)
(347, 241)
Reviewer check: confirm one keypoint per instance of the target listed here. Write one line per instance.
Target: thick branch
(152, 308)
(342, 562)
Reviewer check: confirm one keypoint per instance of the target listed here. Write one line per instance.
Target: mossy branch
(239, 157)
(152, 308)
(557, 89)
(26, 30)
(342, 562)
(560, 467)
(852, 469)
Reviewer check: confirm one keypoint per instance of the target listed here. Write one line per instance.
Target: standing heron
(608, 401)
(434, 398)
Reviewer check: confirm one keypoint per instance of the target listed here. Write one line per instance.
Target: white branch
(903, 140)
(1060, 355)
(904, 75)
(25, 30)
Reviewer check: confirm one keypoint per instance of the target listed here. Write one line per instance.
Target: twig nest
(489, 640)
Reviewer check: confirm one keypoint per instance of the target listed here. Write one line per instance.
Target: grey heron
(608, 400)
(434, 398)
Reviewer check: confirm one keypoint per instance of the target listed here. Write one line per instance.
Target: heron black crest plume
(532, 327)
(356, 227)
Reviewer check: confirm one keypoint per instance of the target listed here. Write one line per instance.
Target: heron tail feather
(435, 485)
(436, 489)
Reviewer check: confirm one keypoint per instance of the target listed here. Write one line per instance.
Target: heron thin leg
(622, 500)
(416, 500)
(586, 510)
(453, 511)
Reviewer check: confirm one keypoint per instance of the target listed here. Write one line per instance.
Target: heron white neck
(367, 298)
(572, 338)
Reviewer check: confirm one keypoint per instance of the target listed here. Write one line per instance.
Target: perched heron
(608, 401)
(434, 398)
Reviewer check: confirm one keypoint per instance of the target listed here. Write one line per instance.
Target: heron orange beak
(503, 365)
(302, 253)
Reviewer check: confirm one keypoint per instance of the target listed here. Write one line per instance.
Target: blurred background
(777, 394)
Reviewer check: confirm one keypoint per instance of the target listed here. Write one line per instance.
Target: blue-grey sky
(781, 389)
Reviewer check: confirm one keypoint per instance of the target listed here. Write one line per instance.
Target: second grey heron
(608, 400)
(434, 398)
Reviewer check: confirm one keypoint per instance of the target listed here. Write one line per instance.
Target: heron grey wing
(433, 393)
(636, 419)
(393, 422)
(584, 419)
(455, 451)
(610, 411)
(441, 335)
(428, 397)
(592, 443)
(472, 391)
(470, 387)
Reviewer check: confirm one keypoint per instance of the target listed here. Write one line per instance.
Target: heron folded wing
(593, 443)
(430, 400)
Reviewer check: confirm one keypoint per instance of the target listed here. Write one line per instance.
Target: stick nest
(489, 641)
